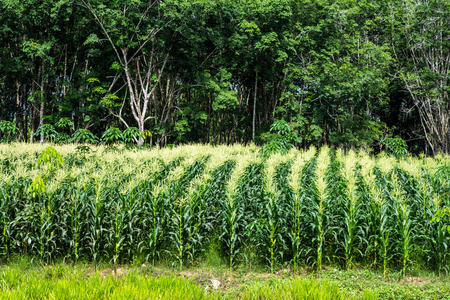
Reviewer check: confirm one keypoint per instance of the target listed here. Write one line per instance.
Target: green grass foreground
(62, 281)
(24, 279)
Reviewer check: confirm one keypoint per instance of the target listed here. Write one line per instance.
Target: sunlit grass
(63, 282)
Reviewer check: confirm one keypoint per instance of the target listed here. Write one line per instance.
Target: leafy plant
(443, 215)
(112, 135)
(62, 138)
(304, 208)
(351, 203)
(84, 136)
(147, 135)
(51, 157)
(64, 123)
(283, 141)
(48, 131)
(404, 227)
(37, 187)
(8, 130)
(132, 134)
(397, 146)
(83, 149)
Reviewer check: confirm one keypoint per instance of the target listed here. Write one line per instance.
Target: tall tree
(131, 29)
(424, 59)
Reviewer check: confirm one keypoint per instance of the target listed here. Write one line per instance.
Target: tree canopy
(342, 73)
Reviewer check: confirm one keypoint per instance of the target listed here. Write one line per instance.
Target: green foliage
(112, 135)
(309, 208)
(339, 73)
(48, 131)
(301, 289)
(396, 146)
(64, 123)
(84, 136)
(131, 135)
(83, 149)
(225, 98)
(8, 130)
(37, 187)
(93, 80)
(443, 215)
(109, 101)
(283, 141)
(60, 282)
(51, 158)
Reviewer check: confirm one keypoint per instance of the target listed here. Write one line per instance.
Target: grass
(61, 281)
(26, 279)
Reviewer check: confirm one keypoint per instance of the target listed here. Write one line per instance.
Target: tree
(131, 29)
(425, 65)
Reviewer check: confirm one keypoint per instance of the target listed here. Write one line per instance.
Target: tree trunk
(42, 108)
(254, 108)
(19, 111)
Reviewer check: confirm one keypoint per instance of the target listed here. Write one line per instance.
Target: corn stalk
(320, 206)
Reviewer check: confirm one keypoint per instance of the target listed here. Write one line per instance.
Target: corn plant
(403, 228)
(154, 225)
(198, 222)
(44, 210)
(202, 215)
(252, 197)
(154, 216)
(181, 211)
(297, 206)
(98, 190)
(437, 236)
(75, 217)
(156, 207)
(191, 226)
(439, 244)
(5, 237)
(336, 207)
(232, 229)
(283, 171)
(8, 211)
(252, 190)
(319, 208)
(268, 233)
(378, 239)
(441, 184)
(351, 206)
(181, 217)
(216, 193)
(116, 233)
(175, 204)
(386, 217)
(426, 239)
(122, 207)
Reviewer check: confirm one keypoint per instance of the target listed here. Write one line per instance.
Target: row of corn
(311, 207)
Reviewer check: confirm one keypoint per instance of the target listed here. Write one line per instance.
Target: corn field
(313, 208)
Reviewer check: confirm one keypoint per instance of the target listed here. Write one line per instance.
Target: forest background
(342, 73)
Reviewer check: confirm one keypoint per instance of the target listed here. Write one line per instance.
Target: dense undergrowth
(305, 208)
